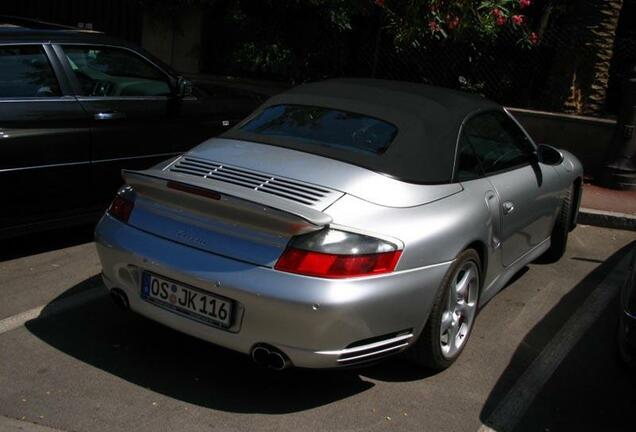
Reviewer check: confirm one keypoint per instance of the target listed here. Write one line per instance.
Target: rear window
(324, 126)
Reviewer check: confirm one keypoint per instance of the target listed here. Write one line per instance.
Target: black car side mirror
(549, 155)
(184, 87)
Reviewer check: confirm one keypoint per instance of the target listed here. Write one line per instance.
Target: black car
(627, 320)
(77, 106)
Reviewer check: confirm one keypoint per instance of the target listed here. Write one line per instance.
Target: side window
(105, 71)
(25, 72)
(498, 142)
(468, 164)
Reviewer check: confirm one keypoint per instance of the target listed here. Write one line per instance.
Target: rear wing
(241, 204)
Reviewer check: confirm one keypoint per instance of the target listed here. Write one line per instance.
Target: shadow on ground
(158, 358)
(589, 390)
(32, 244)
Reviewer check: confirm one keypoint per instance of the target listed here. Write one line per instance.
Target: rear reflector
(335, 266)
(121, 208)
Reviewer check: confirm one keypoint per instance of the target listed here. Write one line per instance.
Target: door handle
(508, 207)
(112, 115)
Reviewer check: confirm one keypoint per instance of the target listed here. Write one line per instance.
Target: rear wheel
(625, 352)
(559, 236)
(451, 320)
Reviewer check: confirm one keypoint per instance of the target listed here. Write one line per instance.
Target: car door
(509, 162)
(132, 108)
(44, 140)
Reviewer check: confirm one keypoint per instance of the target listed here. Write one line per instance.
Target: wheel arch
(480, 247)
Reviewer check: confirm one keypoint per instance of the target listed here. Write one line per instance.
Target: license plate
(185, 300)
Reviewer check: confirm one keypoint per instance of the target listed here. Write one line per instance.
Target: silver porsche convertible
(342, 222)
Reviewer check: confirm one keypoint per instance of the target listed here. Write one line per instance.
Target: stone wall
(587, 138)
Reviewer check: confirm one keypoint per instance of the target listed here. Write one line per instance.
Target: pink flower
(379, 3)
(453, 23)
(518, 19)
(524, 3)
(432, 24)
(500, 18)
(533, 38)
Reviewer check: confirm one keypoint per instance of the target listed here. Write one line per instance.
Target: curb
(607, 219)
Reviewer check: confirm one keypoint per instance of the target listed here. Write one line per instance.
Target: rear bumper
(317, 323)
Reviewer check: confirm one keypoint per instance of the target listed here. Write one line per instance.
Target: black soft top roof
(428, 119)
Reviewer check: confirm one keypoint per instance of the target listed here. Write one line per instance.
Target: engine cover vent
(304, 193)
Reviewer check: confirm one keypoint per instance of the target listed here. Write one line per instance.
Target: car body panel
(45, 148)
(529, 198)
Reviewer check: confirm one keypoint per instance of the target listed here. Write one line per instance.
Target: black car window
(25, 72)
(324, 126)
(468, 164)
(105, 71)
(498, 142)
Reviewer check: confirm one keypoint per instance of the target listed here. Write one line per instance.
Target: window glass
(25, 71)
(324, 126)
(498, 142)
(105, 71)
(468, 164)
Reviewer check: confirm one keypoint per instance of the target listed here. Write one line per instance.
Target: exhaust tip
(276, 361)
(268, 356)
(120, 298)
(260, 356)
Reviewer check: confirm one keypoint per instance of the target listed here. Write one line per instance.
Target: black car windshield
(324, 126)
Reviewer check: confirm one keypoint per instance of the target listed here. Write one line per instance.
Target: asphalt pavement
(541, 357)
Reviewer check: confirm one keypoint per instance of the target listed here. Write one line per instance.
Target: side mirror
(549, 155)
(184, 87)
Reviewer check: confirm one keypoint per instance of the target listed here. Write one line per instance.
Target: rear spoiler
(245, 198)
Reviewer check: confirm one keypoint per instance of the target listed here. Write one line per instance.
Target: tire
(561, 229)
(625, 353)
(432, 349)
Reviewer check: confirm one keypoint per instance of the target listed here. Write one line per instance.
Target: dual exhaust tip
(270, 357)
(263, 355)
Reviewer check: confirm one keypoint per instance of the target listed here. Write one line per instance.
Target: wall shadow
(573, 391)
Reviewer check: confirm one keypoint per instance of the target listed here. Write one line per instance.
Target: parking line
(518, 399)
(53, 308)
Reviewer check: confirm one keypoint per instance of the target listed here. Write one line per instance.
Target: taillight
(338, 254)
(121, 208)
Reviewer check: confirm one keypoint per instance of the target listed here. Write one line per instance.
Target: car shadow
(40, 242)
(150, 355)
(572, 394)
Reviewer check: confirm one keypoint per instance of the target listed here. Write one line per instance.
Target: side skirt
(500, 282)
